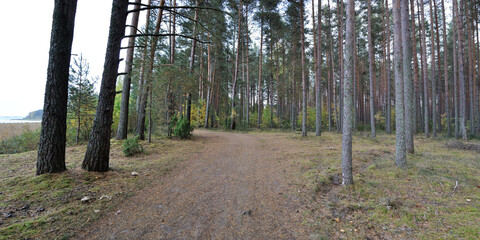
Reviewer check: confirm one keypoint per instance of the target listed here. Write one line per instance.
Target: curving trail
(234, 189)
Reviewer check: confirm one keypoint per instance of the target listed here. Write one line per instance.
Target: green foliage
(131, 146)
(183, 130)
(27, 141)
(82, 101)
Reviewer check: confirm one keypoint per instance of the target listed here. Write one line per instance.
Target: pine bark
(347, 176)
(400, 154)
(237, 65)
(340, 49)
(388, 117)
(51, 147)
(461, 68)
(433, 72)
(407, 77)
(318, 75)
(445, 71)
(123, 120)
(424, 73)
(98, 149)
(371, 63)
(260, 60)
(304, 80)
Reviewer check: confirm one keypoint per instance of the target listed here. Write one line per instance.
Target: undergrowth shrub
(27, 141)
(183, 130)
(131, 146)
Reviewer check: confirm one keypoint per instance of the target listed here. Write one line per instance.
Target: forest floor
(255, 185)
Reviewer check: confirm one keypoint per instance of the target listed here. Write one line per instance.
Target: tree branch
(146, 7)
(166, 35)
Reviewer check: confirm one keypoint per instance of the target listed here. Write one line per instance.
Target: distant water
(18, 121)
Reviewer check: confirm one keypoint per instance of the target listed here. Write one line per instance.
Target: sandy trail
(233, 189)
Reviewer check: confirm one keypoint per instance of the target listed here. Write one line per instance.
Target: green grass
(416, 202)
(49, 207)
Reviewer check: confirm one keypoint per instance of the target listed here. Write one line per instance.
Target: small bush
(131, 146)
(27, 141)
(183, 130)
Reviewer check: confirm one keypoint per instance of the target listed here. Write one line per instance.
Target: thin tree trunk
(388, 118)
(445, 71)
(407, 77)
(51, 147)
(425, 76)
(209, 83)
(433, 72)
(140, 131)
(371, 62)
(318, 75)
(237, 65)
(304, 80)
(461, 66)
(98, 149)
(340, 49)
(123, 120)
(347, 176)
(142, 79)
(248, 73)
(260, 60)
(471, 69)
(455, 77)
(416, 104)
(192, 62)
(400, 153)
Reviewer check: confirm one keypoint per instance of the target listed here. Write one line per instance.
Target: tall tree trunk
(51, 148)
(248, 73)
(407, 77)
(142, 80)
(471, 69)
(340, 49)
(388, 117)
(445, 71)
(192, 62)
(98, 149)
(260, 60)
(140, 130)
(424, 71)
(416, 104)
(304, 80)
(371, 62)
(400, 151)
(123, 120)
(455, 77)
(347, 176)
(209, 83)
(433, 72)
(461, 66)
(237, 65)
(318, 75)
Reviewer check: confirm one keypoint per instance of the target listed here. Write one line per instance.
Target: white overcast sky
(25, 43)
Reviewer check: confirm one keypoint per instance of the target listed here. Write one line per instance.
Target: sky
(25, 44)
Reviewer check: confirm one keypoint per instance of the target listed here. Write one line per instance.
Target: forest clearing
(256, 185)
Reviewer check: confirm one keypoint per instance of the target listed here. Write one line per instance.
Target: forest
(377, 91)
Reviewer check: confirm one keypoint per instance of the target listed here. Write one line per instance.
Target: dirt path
(231, 190)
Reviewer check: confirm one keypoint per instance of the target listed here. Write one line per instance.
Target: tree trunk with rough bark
(51, 147)
(461, 67)
(347, 176)
(371, 62)
(400, 151)
(304, 80)
(318, 75)
(407, 77)
(424, 71)
(98, 149)
(125, 102)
